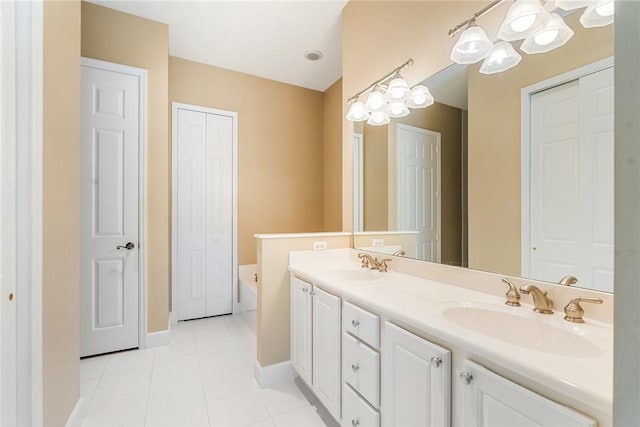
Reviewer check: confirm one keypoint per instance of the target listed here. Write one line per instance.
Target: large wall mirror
(509, 173)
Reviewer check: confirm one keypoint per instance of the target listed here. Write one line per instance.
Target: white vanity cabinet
(301, 328)
(316, 343)
(326, 350)
(360, 367)
(416, 380)
(493, 401)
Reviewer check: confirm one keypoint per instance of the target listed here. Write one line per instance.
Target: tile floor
(203, 378)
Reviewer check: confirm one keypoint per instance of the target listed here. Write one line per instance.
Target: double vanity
(384, 348)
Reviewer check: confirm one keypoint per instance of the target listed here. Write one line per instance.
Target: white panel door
(597, 203)
(419, 188)
(219, 212)
(572, 192)
(301, 328)
(326, 350)
(416, 380)
(191, 221)
(493, 401)
(555, 184)
(204, 214)
(108, 211)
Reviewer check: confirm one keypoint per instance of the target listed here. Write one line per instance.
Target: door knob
(128, 246)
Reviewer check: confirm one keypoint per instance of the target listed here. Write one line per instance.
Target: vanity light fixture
(598, 14)
(390, 96)
(572, 4)
(524, 18)
(555, 34)
(502, 57)
(472, 46)
(357, 112)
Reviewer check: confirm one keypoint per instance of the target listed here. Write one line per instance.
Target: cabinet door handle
(355, 367)
(355, 323)
(466, 377)
(355, 423)
(311, 292)
(436, 361)
(305, 290)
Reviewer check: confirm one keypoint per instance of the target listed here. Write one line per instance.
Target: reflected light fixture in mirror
(572, 4)
(555, 34)
(357, 112)
(472, 46)
(502, 57)
(420, 97)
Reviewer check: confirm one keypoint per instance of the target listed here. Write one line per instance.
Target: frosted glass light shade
(555, 34)
(502, 57)
(398, 89)
(378, 118)
(472, 46)
(375, 100)
(571, 4)
(397, 109)
(420, 97)
(525, 17)
(357, 112)
(598, 14)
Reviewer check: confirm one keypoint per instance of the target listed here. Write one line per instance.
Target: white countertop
(419, 303)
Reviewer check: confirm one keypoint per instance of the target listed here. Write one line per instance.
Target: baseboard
(156, 339)
(77, 415)
(266, 376)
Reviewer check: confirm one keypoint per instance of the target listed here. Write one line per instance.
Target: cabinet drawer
(356, 412)
(361, 369)
(361, 324)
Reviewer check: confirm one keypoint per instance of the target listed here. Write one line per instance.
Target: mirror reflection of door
(571, 194)
(419, 188)
(358, 182)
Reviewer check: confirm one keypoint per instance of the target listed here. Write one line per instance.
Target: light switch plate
(320, 245)
(378, 242)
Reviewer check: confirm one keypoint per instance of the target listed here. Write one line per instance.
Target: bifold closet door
(204, 214)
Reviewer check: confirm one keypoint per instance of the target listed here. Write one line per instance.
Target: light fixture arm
(406, 64)
(455, 30)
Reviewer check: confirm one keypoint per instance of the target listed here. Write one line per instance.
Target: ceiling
(263, 38)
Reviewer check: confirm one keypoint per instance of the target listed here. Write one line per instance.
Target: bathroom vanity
(391, 349)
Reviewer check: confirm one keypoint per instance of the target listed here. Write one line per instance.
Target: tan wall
(494, 144)
(61, 210)
(273, 291)
(332, 134)
(375, 175)
(380, 35)
(280, 147)
(118, 37)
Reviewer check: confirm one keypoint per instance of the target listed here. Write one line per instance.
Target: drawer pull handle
(466, 377)
(305, 290)
(355, 323)
(355, 423)
(436, 361)
(355, 367)
(312, 293)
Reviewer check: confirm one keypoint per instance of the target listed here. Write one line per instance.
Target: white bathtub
(248, 294)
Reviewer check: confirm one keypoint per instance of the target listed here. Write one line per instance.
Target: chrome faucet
(368, 261)
(540, 300)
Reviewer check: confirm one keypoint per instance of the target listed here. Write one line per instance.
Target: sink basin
(515, 329)
(354, 274)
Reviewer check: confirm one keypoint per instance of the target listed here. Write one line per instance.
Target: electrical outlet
(378, 242)
(320, 245)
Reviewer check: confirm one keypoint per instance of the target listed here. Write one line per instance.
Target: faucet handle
(573, 312)
(513, 296)
(364, 260)
(382, 264)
